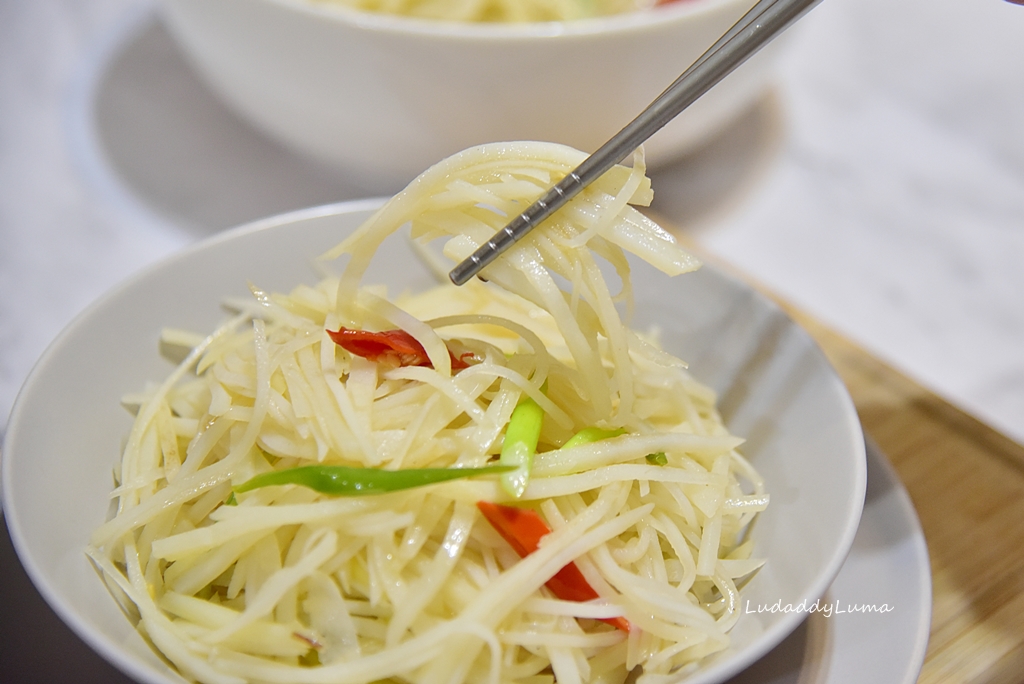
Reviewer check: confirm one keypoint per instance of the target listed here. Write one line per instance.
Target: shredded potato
(497, 10)
(286, 583)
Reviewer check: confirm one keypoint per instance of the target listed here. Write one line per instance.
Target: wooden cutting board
(967, 483)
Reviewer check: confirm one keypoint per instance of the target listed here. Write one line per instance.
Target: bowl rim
(665, 16)
(713, 673)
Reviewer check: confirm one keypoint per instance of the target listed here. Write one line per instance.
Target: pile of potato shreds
(508, 11)
(495, 483)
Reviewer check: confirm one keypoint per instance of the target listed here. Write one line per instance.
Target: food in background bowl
(383, 97)
(500, 10)
(495, 483)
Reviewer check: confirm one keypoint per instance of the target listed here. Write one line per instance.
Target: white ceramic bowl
(776, 389)
(384, 97)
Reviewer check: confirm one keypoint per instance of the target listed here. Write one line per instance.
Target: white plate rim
(855, 635)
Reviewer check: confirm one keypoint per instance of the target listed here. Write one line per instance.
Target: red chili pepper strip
(395, 346)
(523, 530)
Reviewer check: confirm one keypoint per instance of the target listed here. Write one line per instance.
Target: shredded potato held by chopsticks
(494, 483)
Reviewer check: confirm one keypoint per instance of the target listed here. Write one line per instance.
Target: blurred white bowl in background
(384, 97)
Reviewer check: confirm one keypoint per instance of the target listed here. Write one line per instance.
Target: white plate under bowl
(876, 616)
(776, 389)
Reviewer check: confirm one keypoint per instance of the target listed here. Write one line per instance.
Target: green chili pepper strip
(591, 434)
(658, 458)
(344, 481)
(520, 445)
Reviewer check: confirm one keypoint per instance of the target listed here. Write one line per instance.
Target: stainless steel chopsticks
(754, 30)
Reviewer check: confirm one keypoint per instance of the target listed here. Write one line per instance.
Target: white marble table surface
(880, 186)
